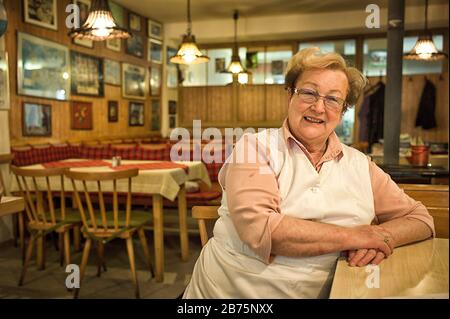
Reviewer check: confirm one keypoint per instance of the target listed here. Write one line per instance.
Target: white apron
(339, 194)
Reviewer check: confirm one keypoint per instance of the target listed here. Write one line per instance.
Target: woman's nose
(319, 106)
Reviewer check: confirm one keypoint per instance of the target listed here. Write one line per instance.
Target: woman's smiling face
(312, 123)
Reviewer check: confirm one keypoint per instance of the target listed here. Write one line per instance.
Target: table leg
(40, 252)
(182, 216)
(158, 231)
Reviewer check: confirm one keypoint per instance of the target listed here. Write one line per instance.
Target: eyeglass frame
(317, 96)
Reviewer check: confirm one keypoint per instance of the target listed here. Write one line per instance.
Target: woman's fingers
(368, 257)
(385, 249)
(358, 256)
(378, 258)
(351, 254)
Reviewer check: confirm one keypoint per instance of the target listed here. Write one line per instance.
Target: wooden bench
(435, 199)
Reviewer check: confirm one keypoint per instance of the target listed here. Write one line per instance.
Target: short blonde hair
(313, 58)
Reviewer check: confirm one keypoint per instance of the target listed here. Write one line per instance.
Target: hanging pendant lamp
(425, 49)
(235, 66)
(188, 53)
(99, 25)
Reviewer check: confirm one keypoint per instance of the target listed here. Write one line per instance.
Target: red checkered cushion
(95, 152)
(127, 152)
(23, 156)
(158, 152)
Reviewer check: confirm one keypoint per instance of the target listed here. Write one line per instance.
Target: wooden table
(157, 183)
(11, 205)
(417, 270)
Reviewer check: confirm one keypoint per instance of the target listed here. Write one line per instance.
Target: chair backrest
(94, 183)
(4, 159)
(206, 217)
(34, 185)
(435, 199)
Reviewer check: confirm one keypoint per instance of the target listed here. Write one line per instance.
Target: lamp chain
(235, 16)
(426, 15)
(189, 16)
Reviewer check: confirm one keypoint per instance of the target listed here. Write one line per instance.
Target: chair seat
(138, 218)
(72, 215)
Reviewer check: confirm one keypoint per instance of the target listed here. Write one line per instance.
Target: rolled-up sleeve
(391, 202)
(252, 196)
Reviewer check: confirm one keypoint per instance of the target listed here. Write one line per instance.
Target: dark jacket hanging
(376, 115)
(425, 115)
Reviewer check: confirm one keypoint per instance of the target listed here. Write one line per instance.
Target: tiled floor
(114, 283)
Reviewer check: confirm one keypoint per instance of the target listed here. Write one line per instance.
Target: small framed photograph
(114, 44)
(154, 29)
(154, 51)
(277, 67)
(4, 81)
(170, 52)
(136, 114)
(172, 107)
(117, 13)
(113, 111)
(52, 78)
(112, 72)
(135, 45)
(84, 6)
(156, 115)
(134, 22)
(172, 121)
(81, 115)
(36, 119)
(155, 80)
(41, 12)
(134, 81)
(219, 65)
(87, 75)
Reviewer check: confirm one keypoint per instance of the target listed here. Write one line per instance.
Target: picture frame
(170, 52)
(36, 119)
(52, 79)
(134, 81)
(87, 74)
(154, 53)
(136, 112)
(172, 121)
(113, 111)
(172, 107)
(154, 29)
(84, 6)
(219, 65)
(156, 115)
(117, 13)
(114, 44)
(4, 81)
(134, 21)
(135, 45)
(155, 80)
(112, 72)
(277, 67)
(172, 77)
(43, 13)
(81, 115)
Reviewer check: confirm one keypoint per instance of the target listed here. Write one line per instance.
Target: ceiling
(167, 11)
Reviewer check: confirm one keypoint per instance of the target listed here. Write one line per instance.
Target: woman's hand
(362, 257)
(367, 241)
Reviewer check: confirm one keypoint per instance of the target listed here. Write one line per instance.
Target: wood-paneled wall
(61, 130)
(266, 106)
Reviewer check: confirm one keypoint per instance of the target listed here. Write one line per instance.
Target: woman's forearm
(406, 230)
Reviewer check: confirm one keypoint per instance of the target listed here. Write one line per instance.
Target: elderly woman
(286, 217)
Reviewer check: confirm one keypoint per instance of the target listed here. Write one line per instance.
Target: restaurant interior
(116, 172)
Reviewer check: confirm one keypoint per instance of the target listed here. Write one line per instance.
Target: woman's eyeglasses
(333, 103)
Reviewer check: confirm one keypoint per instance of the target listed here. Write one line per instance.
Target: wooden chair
(435, 199)
(206, 217)
(101, 226)
(43, 216)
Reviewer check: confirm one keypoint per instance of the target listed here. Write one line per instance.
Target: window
(347, 48)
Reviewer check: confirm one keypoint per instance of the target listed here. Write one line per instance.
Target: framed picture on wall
(117, 13)
(4, 81)
(172, 107)
(219, 65)
(154, 51)
(156, 115)
(81, 115)
(36, 119)
(155, 80)
(134, 81)
(134, 22)
(136, 114)
(52, 78)
(154, 29)
(112, 72)
(113, 111)
(41, 12)
(172, 121)
(87, 74)
(135, 45)
(84, 6)
(114, 44)
(170, 52)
